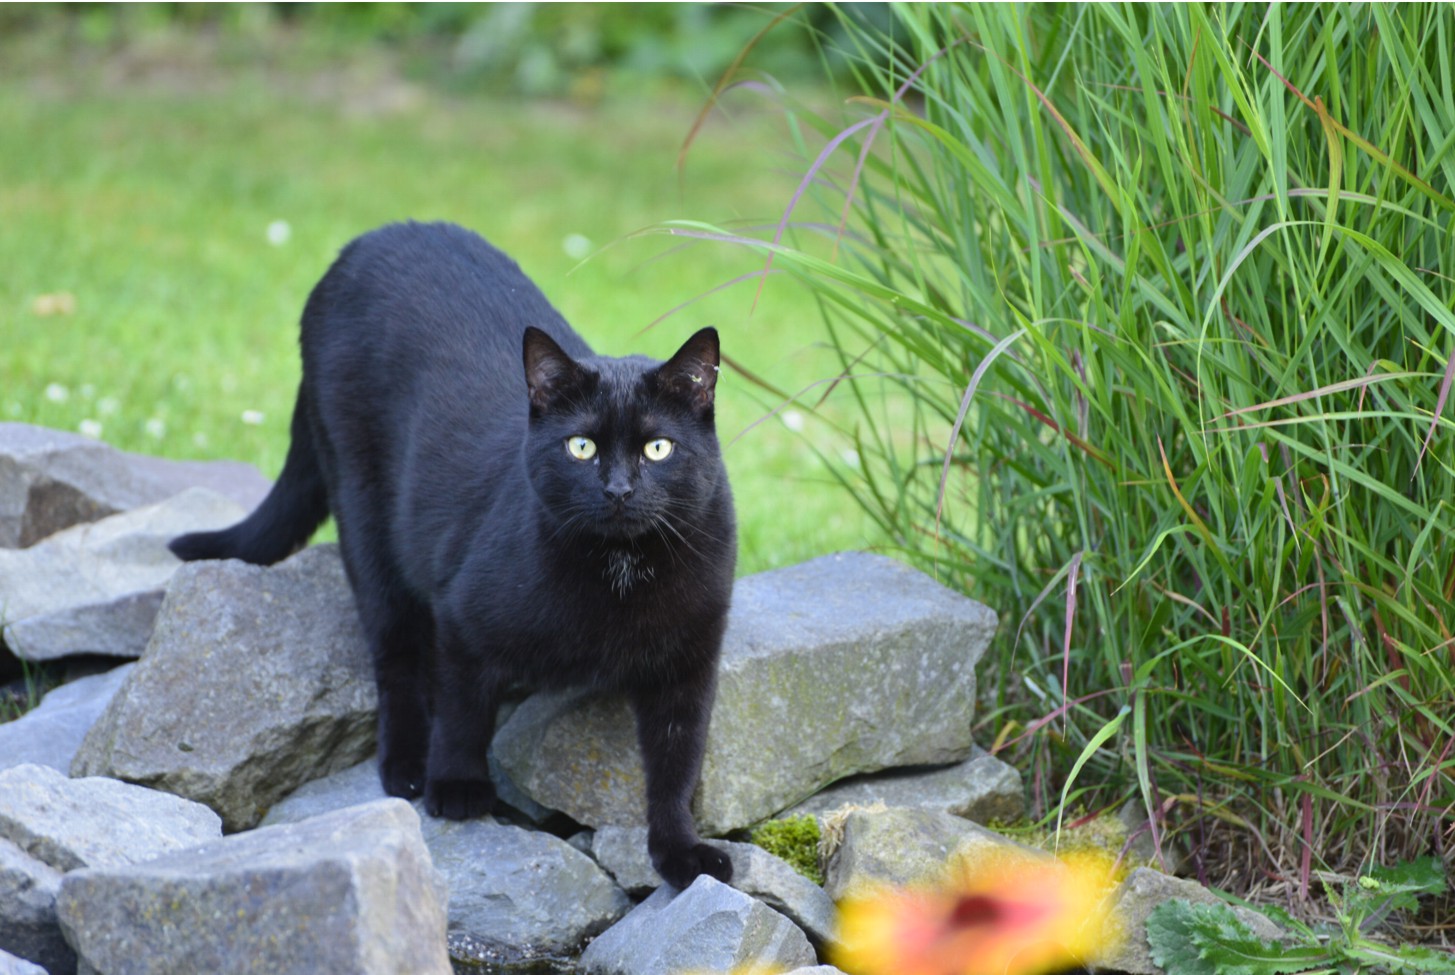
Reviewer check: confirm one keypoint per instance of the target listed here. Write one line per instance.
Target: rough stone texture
(28, 925)
(622, 852)
(10, 965)
(256, 681)
(351, 891)
(982, 788)
(709, 927)
(360, 783)
(1140, 893)
(95, 588)
(515, 895)
(792, 714)
(50, 733)
(524, 895)
(72, 823)
(352, 786)
(760, 874)
(816, 970)
(903, 846)
(52, 479)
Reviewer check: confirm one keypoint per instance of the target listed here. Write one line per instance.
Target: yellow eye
(582, 448)
(659, 449)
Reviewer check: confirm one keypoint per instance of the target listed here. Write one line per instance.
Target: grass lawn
(186, 195)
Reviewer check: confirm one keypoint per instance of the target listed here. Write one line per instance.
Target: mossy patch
(794, 840)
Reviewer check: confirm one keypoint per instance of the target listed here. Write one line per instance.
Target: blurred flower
(57, 393)
(576, 246)
(60, 303)
(279, 232)
(793, 420)
(1004, 915)
(252, 418)
(90, 428)
(850, 456)
(107, 405)
(156, 428)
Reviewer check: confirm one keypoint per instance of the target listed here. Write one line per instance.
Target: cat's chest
(625, 572)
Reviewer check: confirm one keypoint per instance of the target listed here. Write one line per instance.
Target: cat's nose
(617, 490)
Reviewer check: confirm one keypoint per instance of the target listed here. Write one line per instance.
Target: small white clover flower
(57, 393)
(850, 456)
(577, 246)
(252, 418)
(793, 420)
(279, 232)
(155, 428)
(107, 405)
(90, 428)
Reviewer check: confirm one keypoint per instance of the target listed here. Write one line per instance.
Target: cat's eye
(582, 448)
(659, 449)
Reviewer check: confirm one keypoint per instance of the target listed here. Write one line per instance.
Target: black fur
(481, 552)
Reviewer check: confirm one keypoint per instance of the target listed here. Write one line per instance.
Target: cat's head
(622, 448)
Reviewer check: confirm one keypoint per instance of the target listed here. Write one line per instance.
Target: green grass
(1150, 352)
(142, 180)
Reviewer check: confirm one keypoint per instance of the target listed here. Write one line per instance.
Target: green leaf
(1412, 959)
(1210, 939)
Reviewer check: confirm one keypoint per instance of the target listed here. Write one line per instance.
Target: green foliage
(1146, 314)
(793, 840)
(530, 48)
(1210, 939)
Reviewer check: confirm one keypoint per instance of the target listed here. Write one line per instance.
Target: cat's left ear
(692, 373)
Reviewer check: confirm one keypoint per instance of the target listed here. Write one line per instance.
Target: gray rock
(350, 891)
(95, 588)
(352, 786)
(761, 875)
(52, 479)
(982, 788)
(816, 970)
(360, 783)
(709, 927)
(515, 895)
(50, 733)
(904, 846)
(622, 852)
(10, 965)
(72, 823)
(525, 895)
(792, 714)
(28, 924)
(256, 681)
(1139, 894)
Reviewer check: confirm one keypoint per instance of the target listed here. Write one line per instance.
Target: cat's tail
(288, 516)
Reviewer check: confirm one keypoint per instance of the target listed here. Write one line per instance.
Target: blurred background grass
(176, 178)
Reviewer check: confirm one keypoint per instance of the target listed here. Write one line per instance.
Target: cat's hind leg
(399, 629)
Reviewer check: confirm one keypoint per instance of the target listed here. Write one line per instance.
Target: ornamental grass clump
(1145, 319)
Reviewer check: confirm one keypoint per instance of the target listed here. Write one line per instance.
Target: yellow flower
(1014, 914)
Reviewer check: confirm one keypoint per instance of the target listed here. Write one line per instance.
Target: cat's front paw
(459, 798)
(682, 866)
(404, 779)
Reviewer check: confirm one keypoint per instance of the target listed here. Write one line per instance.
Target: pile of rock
(846, 681)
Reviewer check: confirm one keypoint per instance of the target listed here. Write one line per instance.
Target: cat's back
(428, 294)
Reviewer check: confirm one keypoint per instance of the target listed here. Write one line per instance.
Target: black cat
(568, 523)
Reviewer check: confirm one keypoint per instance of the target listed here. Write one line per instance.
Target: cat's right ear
(549, 371)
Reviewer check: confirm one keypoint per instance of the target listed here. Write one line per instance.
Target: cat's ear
(549, 371)
(692, 373)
